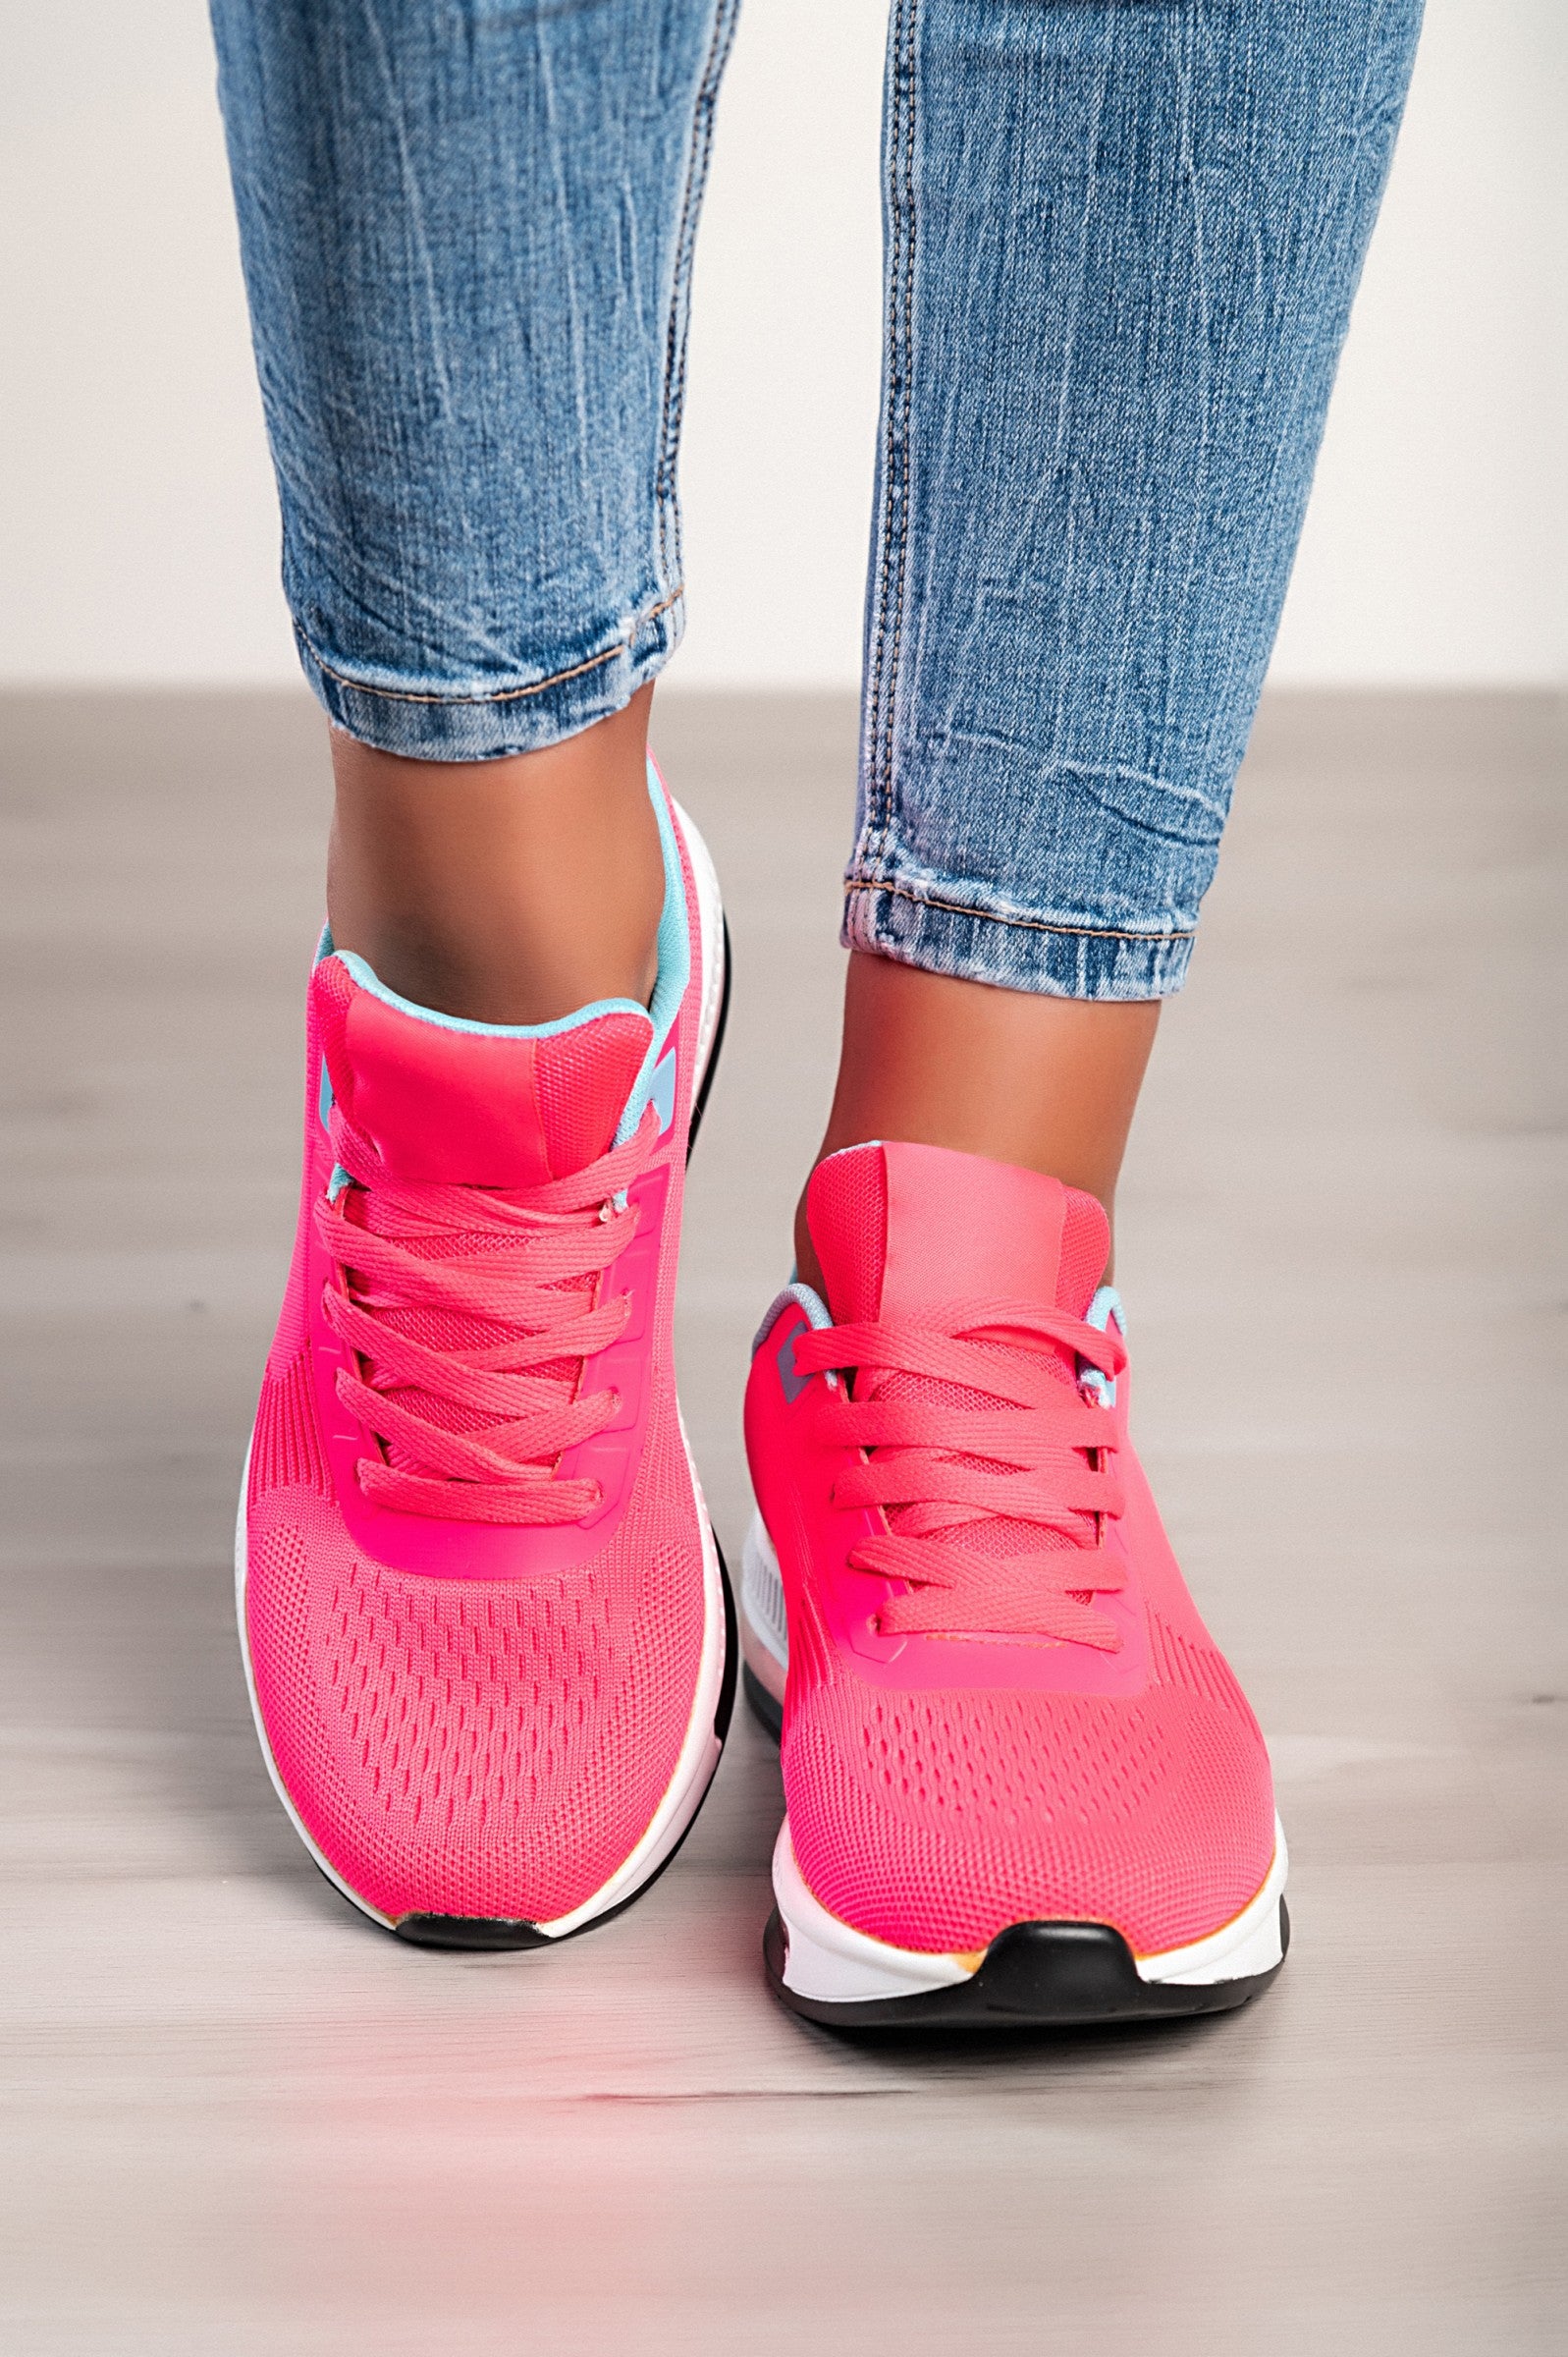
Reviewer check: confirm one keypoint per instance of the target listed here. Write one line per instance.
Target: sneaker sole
(1046, 1975)
(714, 1704)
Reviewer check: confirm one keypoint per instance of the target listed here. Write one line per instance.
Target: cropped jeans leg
(1122, 237)
(1121, 241)
(467, 231)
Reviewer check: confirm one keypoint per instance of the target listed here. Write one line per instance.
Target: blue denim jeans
(1121, 241)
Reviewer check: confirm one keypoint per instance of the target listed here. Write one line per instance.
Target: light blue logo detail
(324, 1101)
(794, 1384)
(662, 1090)
(1104, 1308)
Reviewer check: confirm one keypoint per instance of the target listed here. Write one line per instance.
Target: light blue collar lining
(369, 980)
(674, 959)
(1105, 1306)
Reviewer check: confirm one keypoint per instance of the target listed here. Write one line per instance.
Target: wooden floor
(240, 2120)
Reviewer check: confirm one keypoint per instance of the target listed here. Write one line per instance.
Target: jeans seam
(675, 375)
(494, 695)
(884, 665)
(995, 916)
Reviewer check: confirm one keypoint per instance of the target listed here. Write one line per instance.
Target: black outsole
(699, 1102)
(480, 1935)
(492, 1933)
(1045, 1976)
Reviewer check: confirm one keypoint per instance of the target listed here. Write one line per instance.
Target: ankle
(1046, 1084)
(513, 891)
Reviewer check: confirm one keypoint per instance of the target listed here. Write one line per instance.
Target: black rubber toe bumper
(483, 1934)
(1032, 1976)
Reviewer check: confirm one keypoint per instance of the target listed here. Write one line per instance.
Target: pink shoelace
(515, 1275)
(1037, 1453)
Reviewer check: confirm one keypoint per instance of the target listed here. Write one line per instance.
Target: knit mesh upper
(476, 1747)
(936, 1820)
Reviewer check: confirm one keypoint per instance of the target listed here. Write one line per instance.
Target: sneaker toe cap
(459, 1747)
(935, 1821)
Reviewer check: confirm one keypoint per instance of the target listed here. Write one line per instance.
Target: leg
(507, 891)
(1122, 243)
(468, 240)
(937, 1061)
(483, 1613)
(1050, 1083)
(1021, 1782)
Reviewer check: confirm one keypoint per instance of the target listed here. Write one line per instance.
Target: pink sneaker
(485, 1623)
(1022, 1784)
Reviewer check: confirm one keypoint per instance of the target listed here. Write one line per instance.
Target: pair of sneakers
(488, 1631)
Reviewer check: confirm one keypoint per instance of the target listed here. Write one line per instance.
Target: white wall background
(137, 540)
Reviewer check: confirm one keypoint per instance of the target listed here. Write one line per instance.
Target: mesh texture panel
(934, 1819)
(582, 1079)
(285, 1449)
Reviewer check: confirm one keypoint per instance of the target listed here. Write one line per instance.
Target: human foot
(483, 1614)
(1022, 1784)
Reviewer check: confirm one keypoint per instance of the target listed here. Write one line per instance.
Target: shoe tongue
(474, 1107)
(900, 1229)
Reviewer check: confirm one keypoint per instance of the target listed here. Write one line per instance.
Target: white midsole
(834, 1964)
(700, 1747)
(764, 1623)
(831, 1961)
(710, 919)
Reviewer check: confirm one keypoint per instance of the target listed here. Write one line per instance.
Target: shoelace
(517, 1264)
(1047, 1458)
